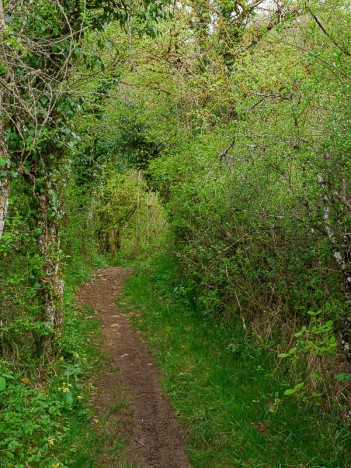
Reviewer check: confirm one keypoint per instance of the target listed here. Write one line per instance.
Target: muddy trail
(128, 398)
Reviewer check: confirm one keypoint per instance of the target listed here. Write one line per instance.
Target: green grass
(225, 389)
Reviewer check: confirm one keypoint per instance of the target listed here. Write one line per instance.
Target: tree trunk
(4, 179)
(342, 255)
(112, 239)
(50, 282)
(137, 220)
(4, 158)
(118, 239)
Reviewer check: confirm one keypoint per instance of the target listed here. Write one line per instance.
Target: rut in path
(155, 439)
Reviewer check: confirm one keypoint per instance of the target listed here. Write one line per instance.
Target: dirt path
(128, 373)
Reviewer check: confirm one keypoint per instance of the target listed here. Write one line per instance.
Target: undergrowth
(44, 407)
(227, 392)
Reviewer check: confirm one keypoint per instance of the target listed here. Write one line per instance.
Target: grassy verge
(226, 390)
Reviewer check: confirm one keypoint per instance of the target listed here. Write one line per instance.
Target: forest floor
(128, 404)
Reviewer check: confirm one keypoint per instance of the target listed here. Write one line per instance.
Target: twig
(138, 441)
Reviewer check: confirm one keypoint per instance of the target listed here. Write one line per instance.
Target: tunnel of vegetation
(217, 132)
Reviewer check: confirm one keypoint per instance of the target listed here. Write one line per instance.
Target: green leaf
(299, 386)
(343, 376)
(2, 162)
(2, 384)
(8, 376)
(152, 30)
(289, 391)
(310, 312)
(77, 52)
(69, 398)
(3, 69)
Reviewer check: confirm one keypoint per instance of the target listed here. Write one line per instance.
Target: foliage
(250, 132)
(39, 406)
(225, 388)
(221, 129)
(131, 218)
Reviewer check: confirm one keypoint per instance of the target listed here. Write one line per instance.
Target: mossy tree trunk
(4, 158)
(50, 282)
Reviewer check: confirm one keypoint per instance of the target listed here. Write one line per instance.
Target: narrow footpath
(128, 385)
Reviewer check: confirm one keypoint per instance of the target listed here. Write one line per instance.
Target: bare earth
(129, 372)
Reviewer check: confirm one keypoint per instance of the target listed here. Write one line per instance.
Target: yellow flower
(55, 465)
(65, 389)
(51, 441)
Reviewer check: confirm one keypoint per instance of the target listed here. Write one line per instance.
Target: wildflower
(51, 441)
(65, 387)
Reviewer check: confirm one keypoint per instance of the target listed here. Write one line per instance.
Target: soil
(128, 401)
